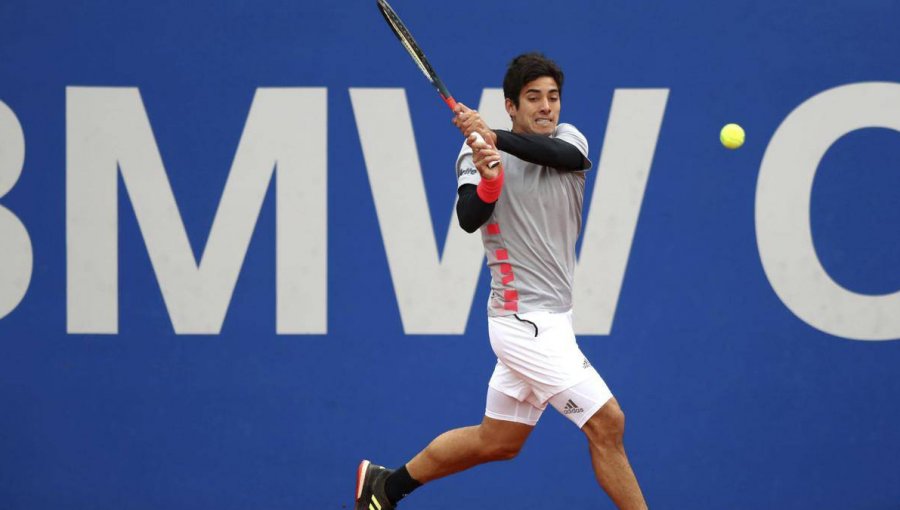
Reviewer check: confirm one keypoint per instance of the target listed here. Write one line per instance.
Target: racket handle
(479, 138)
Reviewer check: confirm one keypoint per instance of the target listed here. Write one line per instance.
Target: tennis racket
(418, 56)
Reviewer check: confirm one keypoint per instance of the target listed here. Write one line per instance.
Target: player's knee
(503, 451)
(500, 439)
(607, 427)
(499, 447)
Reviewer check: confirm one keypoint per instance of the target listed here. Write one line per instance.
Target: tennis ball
(732, 136)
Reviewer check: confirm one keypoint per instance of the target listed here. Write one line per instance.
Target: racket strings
(406, 39)
(411, 47)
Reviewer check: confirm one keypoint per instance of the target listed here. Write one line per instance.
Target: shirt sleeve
(466, 173)
(571, 134)
(565, 150)
(471, 211)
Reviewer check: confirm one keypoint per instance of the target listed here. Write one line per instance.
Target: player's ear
(510, 108)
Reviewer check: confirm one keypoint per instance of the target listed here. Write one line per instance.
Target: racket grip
(479, 138)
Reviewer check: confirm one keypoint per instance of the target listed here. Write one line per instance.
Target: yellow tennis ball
(732, 136)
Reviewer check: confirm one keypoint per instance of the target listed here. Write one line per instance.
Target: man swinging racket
(529, 211)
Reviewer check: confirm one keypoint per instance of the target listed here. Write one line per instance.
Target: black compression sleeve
(542, 150)
(471, 211)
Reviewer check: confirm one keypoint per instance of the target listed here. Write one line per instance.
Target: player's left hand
(469, 121)
(483, 155)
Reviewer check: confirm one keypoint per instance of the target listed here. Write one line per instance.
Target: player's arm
(471, 211)
(561, 152)
(542, 150)
(476, 202)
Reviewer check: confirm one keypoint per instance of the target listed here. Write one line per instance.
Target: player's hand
(461, 114)
(469, 121)
(483, 155)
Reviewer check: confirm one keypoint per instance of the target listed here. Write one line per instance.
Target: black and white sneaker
(370, 487)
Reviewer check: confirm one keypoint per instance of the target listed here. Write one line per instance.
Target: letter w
(435, 295)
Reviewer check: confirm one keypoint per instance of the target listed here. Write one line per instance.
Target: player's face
(538, 110)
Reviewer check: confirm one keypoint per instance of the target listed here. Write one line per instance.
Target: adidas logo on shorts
(586, 364)
(572, 408)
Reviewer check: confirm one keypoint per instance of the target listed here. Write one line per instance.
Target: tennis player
(529, 211)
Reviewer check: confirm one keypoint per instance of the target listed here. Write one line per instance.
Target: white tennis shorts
(538, 361)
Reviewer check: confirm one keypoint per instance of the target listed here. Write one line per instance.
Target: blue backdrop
(732, 400)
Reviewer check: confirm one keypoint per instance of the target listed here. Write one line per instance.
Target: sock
(399, 484)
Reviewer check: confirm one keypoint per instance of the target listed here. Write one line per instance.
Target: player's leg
(510, 416)
(500, 436)
(451, 452)
(591, 406)
(605, 431)
(586, 400)
(463, 448)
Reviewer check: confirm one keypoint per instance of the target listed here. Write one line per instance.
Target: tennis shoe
(370, 487)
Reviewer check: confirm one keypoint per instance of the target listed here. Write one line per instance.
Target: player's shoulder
(569, 133)
(464, 156)
(564, 128)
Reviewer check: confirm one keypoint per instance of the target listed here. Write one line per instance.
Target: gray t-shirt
(530, 239)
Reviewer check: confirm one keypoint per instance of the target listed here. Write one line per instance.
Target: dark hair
(526, 68)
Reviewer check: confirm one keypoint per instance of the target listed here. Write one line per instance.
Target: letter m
(108, 134)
